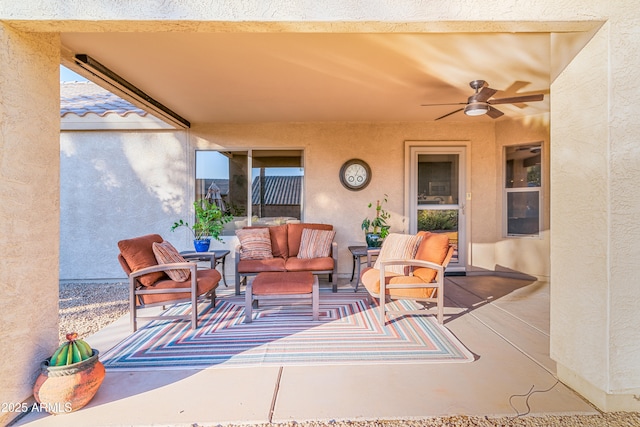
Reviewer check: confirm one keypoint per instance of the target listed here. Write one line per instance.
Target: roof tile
(81, 98)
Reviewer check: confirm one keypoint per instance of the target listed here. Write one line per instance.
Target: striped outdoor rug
(347, 332)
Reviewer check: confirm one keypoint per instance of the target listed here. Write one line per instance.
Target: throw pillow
(138, 254)
(255, 243)
(315, 243)
(166, 254)
(398, 246)
(434, 248)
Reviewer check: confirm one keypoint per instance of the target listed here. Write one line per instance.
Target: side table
(215, 258)
(358, 252)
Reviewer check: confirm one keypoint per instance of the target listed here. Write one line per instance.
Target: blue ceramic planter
(202, 245)
(373, 240)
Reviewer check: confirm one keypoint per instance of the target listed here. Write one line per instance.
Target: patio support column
(29, 207)
(595, 221)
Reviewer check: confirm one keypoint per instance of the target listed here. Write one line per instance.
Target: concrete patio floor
(503, 321)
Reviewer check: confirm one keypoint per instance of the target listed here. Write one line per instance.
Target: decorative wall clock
(355, 174)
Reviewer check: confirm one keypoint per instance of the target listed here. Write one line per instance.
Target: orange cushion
(206, 279)
(258, 265)
(433, 248)
(138, 253)
(371, 280)
(309, 264)
(282, 283)
(166, 254)
(294, 235)
(279, 246)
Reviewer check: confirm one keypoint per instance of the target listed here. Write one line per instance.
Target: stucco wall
(118, 185)
(381, 145)
(533, 252)
(29, 208)
(583, 197)
(595, 339)
(624, 198)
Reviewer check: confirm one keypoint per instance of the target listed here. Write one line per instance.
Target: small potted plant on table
(210, 221)
(376, 229)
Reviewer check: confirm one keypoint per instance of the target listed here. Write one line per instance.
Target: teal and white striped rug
(348, 332)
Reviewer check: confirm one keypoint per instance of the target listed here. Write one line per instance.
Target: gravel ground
(86, 308)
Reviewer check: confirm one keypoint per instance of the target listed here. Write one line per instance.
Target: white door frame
(461, 148)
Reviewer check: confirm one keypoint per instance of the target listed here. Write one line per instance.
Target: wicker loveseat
(288, 247)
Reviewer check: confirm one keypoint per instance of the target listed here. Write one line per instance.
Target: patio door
(437, 195)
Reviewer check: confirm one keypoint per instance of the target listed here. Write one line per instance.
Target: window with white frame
(256, 187)
(523, 190)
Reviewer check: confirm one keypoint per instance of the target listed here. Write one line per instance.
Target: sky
(66, 75)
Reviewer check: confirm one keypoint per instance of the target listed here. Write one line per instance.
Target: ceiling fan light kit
(476, 109)
(480, 102)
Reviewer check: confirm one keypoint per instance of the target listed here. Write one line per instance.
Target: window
(256, 187)
(523, 189)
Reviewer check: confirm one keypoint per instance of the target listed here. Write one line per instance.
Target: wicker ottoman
(293, 285)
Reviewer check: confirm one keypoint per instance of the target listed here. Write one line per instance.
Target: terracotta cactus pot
(62, 389)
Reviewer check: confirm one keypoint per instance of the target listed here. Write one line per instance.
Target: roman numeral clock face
(355, 174)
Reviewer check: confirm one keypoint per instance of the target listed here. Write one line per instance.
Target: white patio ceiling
(301, 77)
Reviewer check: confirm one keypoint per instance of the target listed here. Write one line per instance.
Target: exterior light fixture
(129, 90)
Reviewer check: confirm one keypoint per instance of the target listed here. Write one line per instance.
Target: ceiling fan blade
(494, 113)
(517, 99)
(484, 94)
(448, 114)
(437, 105)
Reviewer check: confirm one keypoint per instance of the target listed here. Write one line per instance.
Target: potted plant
(376, 229)
(210, 221)
(70, 378)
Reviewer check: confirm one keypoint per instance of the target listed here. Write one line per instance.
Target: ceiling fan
(480, 103)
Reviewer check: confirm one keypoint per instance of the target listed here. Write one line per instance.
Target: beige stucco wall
(117, 185)
(580, 160)
(29, 208)
(382, 145)
(101, 170)
(528, 255)
(595, 153)
(594, 167)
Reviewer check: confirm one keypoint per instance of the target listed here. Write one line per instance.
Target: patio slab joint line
(534, 327)
(275, 395)
(514, 345)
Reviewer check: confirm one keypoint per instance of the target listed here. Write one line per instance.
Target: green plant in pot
(210, 221)
(376, 229)
(70, 378)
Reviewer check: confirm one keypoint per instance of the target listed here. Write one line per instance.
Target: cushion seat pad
(283, 283)
(207, 280)
(259, 265)
(370, 278)
(309, 264)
